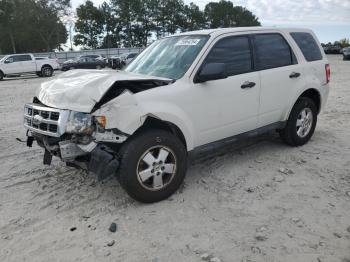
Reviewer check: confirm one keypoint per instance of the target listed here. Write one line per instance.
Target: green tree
(225, 14)
(31, 25)
(89, 26)
(110, 26)
(194, 18)
(8, 25)
(344, 42)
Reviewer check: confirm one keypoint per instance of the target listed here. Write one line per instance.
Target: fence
(64, 56)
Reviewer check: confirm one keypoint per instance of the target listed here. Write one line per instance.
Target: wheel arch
(152, 122)
(46, 65)
(311, 93)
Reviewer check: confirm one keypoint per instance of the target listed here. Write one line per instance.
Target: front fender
(127, 114)
(175, 115)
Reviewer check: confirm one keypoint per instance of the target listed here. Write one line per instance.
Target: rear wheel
(1, 75)
(301, 123)
(152, 165)
(47, 71)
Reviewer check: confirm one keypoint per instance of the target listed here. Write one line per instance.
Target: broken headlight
(79, 123)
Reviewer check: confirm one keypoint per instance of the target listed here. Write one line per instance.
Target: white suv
(182, 93)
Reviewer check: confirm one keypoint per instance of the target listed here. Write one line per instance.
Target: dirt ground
(258, 200)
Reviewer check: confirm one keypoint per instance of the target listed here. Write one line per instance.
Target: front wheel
(301, 123)
(1, 75)
(152, 165)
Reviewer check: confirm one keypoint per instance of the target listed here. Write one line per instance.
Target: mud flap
(103, 162)
(47, 157)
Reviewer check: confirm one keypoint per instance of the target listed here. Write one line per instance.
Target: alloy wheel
(156, 168)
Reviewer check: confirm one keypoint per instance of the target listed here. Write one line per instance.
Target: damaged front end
(83, 117)
(79, 139)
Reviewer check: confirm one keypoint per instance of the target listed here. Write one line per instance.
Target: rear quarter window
(307, 45)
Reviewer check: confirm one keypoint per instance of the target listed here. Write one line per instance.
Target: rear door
(280, 75)
(27, 63)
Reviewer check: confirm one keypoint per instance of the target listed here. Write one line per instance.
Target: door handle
(294, 75)
(247, 84)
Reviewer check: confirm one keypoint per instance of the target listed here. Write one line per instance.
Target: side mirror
(7, 61)
(211, 71)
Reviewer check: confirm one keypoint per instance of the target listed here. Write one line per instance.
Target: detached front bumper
(47, 126)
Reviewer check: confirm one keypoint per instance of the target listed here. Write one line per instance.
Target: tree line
(342, 43)
(32, 25)
(134, 23)
(39, 25)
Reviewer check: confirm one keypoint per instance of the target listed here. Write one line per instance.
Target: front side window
(234, 52)
(307, 45)
(169, 57)
(12, 59)
(271, 51)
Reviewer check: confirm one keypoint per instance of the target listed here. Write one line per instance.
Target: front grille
(45, 120)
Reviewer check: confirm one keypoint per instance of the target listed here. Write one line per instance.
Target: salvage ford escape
(182, 93)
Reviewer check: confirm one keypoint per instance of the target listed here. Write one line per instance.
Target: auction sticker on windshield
(188, 42)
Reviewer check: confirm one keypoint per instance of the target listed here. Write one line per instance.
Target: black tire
(46, 71)
(98, 67)
(39, 74)
(132, 152)
(289, 134)
(1, 75)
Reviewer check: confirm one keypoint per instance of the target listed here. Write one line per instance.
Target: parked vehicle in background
(332, 49)
(115, 62)
(183, 93)
(20, 64)
(127, 58)
(120, 61)
(346, 53)
(84, 62)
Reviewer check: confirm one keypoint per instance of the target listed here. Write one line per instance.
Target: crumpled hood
(80, 90)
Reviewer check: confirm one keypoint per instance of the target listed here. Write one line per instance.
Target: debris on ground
(113, 227)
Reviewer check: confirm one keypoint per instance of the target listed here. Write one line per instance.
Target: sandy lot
(258, 200)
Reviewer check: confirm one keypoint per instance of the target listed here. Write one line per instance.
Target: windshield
(169, 57)
(2, 59)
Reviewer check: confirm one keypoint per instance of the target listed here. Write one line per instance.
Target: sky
(329, 19)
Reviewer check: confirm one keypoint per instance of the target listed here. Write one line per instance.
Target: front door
(13, 65)
(27, 63)
(226, 107)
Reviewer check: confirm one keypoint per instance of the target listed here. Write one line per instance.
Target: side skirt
(229, 140)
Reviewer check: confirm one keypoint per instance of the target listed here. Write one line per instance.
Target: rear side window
(234, 52)
(307, 45)
(25, 58)
(271, 51)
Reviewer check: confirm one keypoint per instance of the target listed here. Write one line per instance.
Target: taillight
(328, 73)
